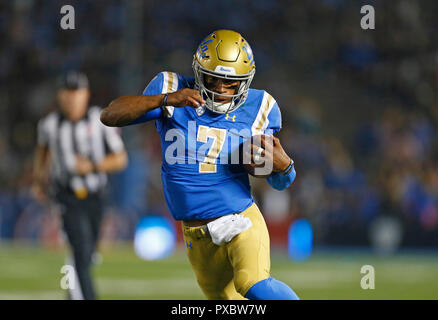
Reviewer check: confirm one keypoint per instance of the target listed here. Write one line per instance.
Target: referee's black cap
(72, 80)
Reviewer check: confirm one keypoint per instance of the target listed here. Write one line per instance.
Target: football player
(198, 119)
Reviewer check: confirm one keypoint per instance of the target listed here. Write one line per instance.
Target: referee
(74, 153)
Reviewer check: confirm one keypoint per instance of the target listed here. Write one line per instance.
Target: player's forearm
(113, 162)
(126, 109)
(282, 180)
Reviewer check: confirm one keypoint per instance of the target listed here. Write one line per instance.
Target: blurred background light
(385, 235)
(300, 240)
(154, 238)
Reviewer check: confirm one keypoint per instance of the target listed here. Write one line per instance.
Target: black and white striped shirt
(87, 137)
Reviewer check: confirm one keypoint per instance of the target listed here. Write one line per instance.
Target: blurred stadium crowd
(359, 107)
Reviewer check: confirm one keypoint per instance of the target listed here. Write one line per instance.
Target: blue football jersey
(200, 177)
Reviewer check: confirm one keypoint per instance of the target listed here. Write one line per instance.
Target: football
(253, 156)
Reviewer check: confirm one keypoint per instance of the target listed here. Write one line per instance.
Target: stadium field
(31, 272)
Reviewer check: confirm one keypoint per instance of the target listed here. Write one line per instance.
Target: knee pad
(271, 289)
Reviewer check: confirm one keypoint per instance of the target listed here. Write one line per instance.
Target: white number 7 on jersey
(218, 136)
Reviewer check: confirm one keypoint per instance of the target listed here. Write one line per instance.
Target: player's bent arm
(127, 109)
(113, 162)
(124, 110)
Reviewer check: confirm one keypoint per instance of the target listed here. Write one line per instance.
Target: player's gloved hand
(185, 97)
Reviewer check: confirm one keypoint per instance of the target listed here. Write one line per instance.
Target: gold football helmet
(224, 54)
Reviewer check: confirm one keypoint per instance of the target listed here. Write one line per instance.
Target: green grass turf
(32, 272)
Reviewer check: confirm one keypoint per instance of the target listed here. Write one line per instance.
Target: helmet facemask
(209, 96)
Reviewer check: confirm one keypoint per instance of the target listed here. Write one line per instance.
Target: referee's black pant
(81, 221)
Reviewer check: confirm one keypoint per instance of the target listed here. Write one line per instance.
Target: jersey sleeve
(274, 119)
(268, 118)
(164, 82)
(155, 86)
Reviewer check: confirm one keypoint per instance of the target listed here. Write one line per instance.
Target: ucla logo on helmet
(203, 48)
(248, 52)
